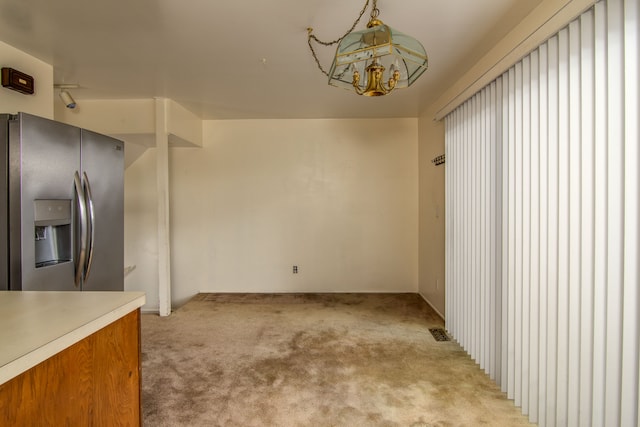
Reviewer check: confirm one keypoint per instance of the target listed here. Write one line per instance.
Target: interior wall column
(162, 173)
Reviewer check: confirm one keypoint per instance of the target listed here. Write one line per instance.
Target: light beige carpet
(311, 360)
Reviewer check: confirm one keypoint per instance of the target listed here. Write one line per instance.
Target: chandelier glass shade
(376, 60)
(377, 49)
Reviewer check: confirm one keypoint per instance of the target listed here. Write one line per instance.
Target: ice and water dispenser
(53, 234)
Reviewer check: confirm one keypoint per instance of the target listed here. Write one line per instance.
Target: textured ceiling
(245, 58)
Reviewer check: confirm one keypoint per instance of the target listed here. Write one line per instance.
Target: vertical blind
(543, 225)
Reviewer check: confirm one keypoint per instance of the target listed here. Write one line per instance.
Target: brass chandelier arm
(311, 36)
(375, 86)
(393, 80)
(356, 83)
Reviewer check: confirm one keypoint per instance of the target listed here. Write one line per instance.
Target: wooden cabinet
(94, 382)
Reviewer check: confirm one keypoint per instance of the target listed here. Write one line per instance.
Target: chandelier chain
(375, 12)
(314, 38)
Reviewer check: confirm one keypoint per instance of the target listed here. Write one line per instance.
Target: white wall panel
(337, 198)
(543, 224)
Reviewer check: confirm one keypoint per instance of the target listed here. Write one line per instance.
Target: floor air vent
(439, 334)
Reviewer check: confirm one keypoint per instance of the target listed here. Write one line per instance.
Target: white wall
(432, 214)
(338, 198)
(141, 228)
(41, 102)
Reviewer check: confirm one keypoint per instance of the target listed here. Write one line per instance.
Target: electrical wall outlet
(295, 269)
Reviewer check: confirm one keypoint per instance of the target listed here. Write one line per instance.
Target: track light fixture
(65, 96)
(67, 99)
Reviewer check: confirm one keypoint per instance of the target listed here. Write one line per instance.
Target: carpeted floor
(311, 360)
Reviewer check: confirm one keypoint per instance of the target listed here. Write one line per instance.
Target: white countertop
(36, 325)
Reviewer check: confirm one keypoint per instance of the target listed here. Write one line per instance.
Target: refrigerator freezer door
(103, 164)
(44, 155)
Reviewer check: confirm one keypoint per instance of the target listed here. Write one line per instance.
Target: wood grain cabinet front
(95, 382)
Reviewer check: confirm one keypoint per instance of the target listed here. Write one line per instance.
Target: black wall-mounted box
(17, 80)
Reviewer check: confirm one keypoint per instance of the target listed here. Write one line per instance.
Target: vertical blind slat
(468, 232)
(483, 241)
(631, 307)
(534, 277)
(615, 216)
(552, 230)
(487, 251)
(563, 229)
(588, 218)
(544, 232)
(504, 290)
(526, 233)
(450, 172)
(476, 277)
(464, 233)
(574, 299)
(491, 256)
(517, 240)
(600, 214)
(511, 282)
(497, 113)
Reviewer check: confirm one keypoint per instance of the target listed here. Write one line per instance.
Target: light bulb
(395, 66)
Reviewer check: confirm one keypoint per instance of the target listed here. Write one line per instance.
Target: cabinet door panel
(94, 382)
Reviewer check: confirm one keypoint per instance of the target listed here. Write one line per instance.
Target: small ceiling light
(65, 96)
(363, 56)
(67, 99)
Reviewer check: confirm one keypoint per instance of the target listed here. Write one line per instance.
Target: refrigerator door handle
(82, 253)
(91, 224)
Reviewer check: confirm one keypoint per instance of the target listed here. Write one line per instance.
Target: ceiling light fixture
(65, 96)
(369, 53)
(68, 100)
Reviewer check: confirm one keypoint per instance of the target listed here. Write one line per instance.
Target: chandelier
(362, 57)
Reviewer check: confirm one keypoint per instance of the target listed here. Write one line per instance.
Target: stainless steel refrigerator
(62, 216)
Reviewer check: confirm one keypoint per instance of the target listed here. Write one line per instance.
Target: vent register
(439, 334)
